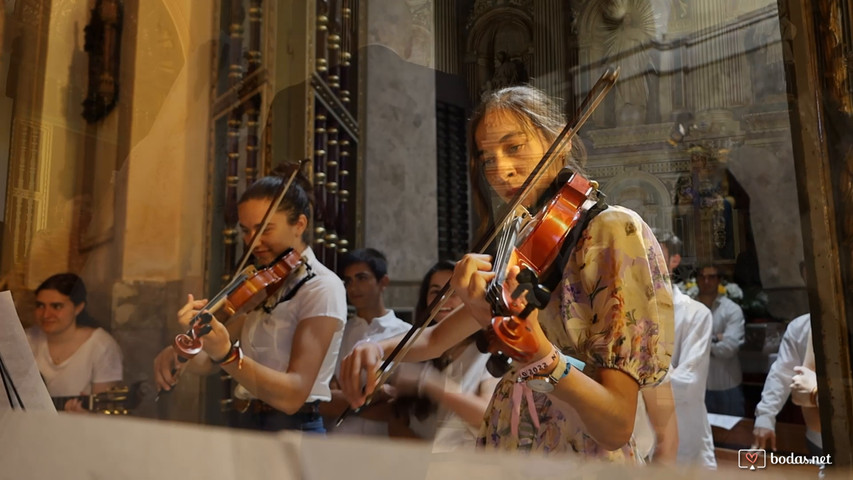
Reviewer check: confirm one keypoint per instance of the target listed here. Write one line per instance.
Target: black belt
(257, 406)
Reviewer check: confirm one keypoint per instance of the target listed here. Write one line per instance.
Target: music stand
(22, 385)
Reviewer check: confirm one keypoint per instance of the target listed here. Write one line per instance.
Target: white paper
(723, 421)
(20, 364)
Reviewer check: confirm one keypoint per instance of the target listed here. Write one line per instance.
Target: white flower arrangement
(730, 289)
(734, 292)
(689, 288)
(754, 306)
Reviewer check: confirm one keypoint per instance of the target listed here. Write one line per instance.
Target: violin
(552, 225)
(534, 249)
(248, 291)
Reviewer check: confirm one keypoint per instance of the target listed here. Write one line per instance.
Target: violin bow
(593, 98)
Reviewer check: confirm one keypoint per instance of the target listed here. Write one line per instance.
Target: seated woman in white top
(74, 356)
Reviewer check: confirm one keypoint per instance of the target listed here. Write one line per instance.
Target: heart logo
(751, 457)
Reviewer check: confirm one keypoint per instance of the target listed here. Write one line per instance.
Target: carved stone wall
(686, 84)
(500, 44)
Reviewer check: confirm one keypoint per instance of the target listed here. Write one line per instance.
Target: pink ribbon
(519, 389)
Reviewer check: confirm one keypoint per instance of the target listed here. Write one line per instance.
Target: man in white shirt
(777, 388)
(723, 394)
(687, 376)
(365, 275)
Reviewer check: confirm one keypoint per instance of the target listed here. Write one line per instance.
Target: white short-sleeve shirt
(268, 338)
(98, 360)
(357, 329)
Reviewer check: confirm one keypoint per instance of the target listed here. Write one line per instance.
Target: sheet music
(19, 361)
(727, 422)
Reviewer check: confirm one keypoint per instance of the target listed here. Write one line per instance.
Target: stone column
(715, 60)
(161, 190)
(447, 46)
(550, 41)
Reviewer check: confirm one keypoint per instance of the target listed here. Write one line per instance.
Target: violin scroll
(188, 345)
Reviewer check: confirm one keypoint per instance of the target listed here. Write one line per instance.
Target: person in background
(74, 356)
(457, 382)
(365, 275)
(804, 393)
(291, 341)
(723, 392)
(688, 374)
(777, 387)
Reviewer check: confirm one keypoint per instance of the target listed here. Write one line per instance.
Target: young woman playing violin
(611, 307)
(288, 348)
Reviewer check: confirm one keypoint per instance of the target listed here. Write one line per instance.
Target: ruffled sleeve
(617, 297)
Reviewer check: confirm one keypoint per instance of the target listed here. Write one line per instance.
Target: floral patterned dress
(612, 309)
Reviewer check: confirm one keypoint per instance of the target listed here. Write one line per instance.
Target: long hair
(440, 266)
(539, 115)
(299, 199)
(72, 287)
(422, 407)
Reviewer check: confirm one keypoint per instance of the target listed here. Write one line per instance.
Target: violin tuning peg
(526, 275)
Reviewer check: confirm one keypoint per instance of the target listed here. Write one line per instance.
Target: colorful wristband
(543, 366)
(234, 355)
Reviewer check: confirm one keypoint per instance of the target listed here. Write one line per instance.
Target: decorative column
(549, 43)
(447, 46)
